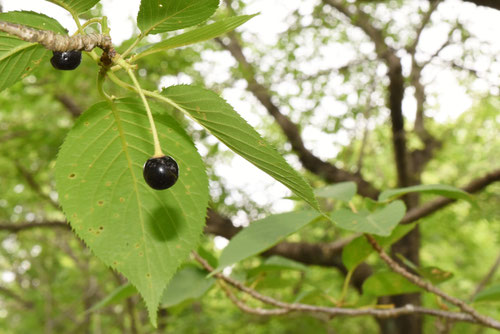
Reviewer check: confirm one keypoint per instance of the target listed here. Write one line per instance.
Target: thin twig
(487, 321)
(337, 311)
(245, 308)
(28, 226)
(423, 23)
(448, 41)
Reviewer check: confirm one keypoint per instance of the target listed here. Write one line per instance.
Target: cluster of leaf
(147, 236)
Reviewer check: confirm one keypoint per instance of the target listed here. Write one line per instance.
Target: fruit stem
(134, 44)
(89, 22)
(158, 152)
(100, 80)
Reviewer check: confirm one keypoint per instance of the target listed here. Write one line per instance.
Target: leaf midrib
(121, 134)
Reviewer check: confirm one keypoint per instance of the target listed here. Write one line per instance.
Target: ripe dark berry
(160, 173)
(67, 60)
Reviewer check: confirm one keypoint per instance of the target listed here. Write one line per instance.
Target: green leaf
(380, 222)
(279, 262)
(359, 249)
(17, 57)
(262, 235)
(188, 283)
(116, 296)
(156, 16)
(388, 283)
(438, 189)
(276, 262)
(208, 256)
(434, 274)
(489, 294)
(342, 191)
(75, 6)
(143, 233)
(195, 36)
(220, 119)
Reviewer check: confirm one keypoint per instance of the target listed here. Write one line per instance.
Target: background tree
(359, 106)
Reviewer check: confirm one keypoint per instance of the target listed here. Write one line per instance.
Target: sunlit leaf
(220, 119)
(195, 36)
(156, 16)
(143, 233)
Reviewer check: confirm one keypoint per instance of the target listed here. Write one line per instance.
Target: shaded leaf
(276, 262)
(194, 36)
(188, 283)
(17, 57)
(156, 16)
(116, 296)
(262, 235)
(438, 189)
(489, 294)
(220, 119)
(143, 233)
(380, 222)
(342, 191)
(434, 274)
(209, 257)
(359, 249)
(388, 283)
(280, 262)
